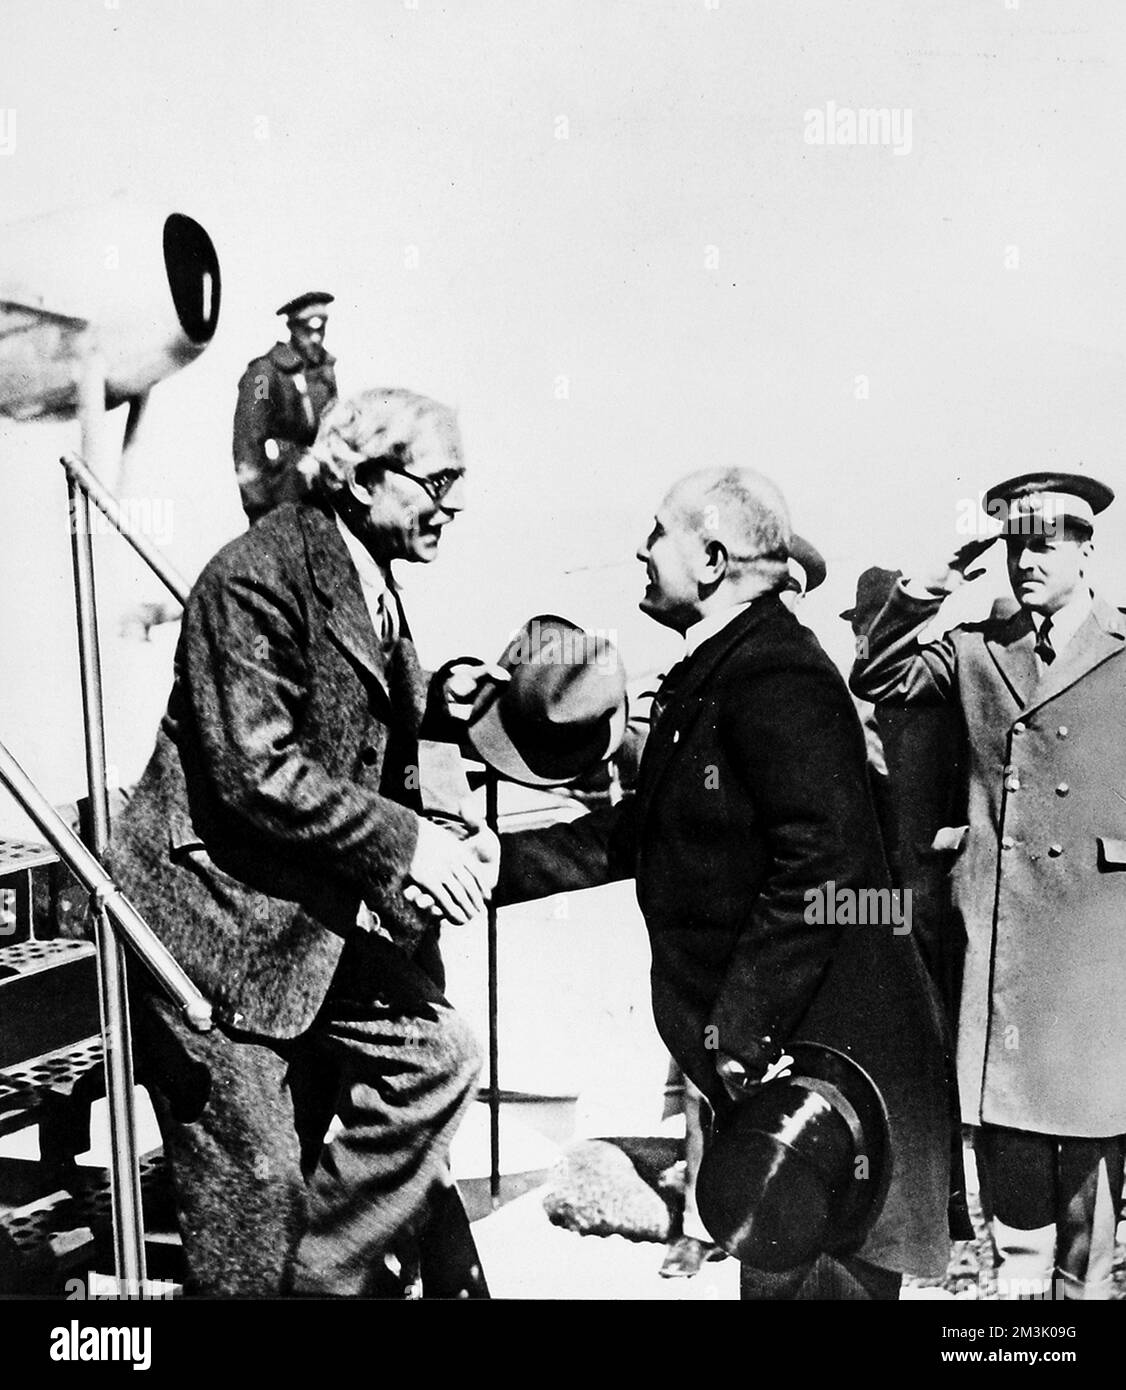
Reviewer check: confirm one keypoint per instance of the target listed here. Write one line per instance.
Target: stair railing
(116, 921)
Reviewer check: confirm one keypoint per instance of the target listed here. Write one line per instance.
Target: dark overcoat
(1039, 881)
(283, 788)
(280, 402)
(752, 797)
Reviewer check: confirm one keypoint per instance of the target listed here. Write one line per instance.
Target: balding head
(743, 511)
(721, 536)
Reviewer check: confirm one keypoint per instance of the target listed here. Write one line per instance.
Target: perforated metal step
(26, 1088)
(25, 890)
(41, 1241)
(48, 997)
(30, 957)
(18, 855)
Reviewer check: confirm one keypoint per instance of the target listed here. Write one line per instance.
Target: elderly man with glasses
(276, 844)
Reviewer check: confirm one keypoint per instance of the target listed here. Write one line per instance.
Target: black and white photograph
(563, 618)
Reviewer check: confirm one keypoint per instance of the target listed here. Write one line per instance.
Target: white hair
(381, 423)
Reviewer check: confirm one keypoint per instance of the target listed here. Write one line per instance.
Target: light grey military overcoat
(1040, 875)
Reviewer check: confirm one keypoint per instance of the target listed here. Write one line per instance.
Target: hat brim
(773, 1230)
(490, 740)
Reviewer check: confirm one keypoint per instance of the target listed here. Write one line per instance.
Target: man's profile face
(402, 520)
(1047, 571)
(671, 554)
(307, 337)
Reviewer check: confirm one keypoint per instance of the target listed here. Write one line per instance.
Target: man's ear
(364, 483)
(713, 562)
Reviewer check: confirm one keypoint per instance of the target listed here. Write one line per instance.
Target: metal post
(491, 818)
(78, 472)
(125, 1185)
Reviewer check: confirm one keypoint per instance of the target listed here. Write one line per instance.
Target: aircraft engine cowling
(140, 285)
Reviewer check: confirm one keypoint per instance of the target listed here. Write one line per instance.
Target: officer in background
(281, 398)
(1039, 881)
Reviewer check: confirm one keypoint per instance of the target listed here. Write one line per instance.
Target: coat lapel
(336, 579)
(668, 738)
(1012, 646)
(1102, 635)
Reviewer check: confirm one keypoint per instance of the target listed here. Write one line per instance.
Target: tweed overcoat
(752, 795)
(1039, 881)
(283, 788)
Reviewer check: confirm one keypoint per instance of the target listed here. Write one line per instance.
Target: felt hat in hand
(561, 712)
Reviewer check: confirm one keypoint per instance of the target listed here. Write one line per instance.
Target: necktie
(387, 626)
(1045, 652)
(666, 692)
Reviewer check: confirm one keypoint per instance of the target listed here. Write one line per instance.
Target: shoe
(686, 1255)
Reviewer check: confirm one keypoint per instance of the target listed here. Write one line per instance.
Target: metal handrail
(116, 921)
(79, 473)
(150, 950)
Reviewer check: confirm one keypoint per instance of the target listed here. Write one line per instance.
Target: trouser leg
(1017, 1170)
(1056, 1203)
(1090, 1202)
(408, 1066)
(691, 1224)
(226, 1115)
(265, 1208)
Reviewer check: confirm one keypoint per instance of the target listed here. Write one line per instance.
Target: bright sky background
(709, 285)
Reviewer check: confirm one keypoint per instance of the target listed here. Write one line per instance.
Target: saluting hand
(948, 572)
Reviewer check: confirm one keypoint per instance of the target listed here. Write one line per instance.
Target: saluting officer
(1040, 876)
(281, 398)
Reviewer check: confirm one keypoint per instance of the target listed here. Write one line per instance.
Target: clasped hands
(451, 878)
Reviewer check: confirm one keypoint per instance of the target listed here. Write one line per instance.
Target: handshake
(452, 878)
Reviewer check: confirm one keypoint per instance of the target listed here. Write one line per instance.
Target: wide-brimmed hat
(561, 713)
(873, 589)
(801, 1167)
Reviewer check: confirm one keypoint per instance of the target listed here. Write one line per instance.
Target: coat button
(1062, 789)
(1055, 851)
(1007, 842)
(1062, 731)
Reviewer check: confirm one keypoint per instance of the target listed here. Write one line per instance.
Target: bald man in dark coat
(752, 811)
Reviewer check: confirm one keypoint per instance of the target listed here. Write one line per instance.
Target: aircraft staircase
(56, 1213)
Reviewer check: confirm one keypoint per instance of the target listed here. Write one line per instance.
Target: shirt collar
(373, 575)
(1068, 620)
(707, 627)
